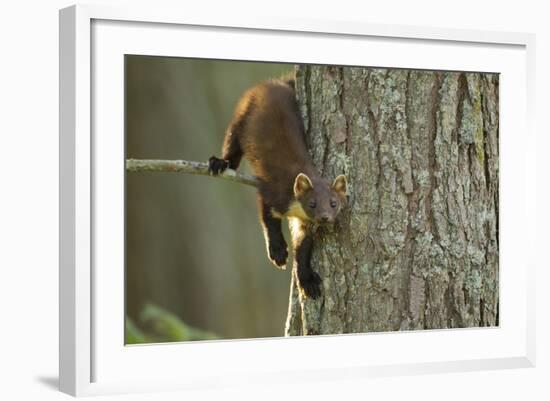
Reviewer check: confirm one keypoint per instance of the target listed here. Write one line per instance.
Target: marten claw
(278, 254)
(217, 166)
(311, 285)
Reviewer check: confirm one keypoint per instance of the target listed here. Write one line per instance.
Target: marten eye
(312, 204)
(332, 203)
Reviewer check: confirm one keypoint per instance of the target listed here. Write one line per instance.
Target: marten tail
(291, 82)
(289, 78)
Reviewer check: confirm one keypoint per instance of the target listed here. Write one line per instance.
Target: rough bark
(417, 246)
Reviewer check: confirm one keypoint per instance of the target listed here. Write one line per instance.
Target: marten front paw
(217, 166)
(310, 284)
(278, 254)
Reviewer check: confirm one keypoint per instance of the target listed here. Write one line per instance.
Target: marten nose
(325, 219)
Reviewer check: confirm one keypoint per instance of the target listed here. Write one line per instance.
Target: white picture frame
(91, 40)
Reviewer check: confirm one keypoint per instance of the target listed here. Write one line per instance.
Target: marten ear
(340, 185)
(302, 184)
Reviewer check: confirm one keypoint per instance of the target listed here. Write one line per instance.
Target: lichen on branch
(187, 167)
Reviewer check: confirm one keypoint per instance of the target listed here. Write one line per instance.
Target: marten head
(320, 199)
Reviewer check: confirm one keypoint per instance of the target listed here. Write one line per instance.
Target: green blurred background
(196, 266)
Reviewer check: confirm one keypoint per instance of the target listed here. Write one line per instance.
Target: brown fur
(267, 129)
(273, 142)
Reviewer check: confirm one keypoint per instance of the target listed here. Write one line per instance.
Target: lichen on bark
(417, 245)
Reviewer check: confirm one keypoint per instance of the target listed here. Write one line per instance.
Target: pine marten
(267, 129)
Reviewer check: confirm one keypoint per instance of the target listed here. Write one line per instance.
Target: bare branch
(187, 167)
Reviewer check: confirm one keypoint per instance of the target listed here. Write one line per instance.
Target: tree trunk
(417, 245)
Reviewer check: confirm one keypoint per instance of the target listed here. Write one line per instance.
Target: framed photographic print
(265, 200)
